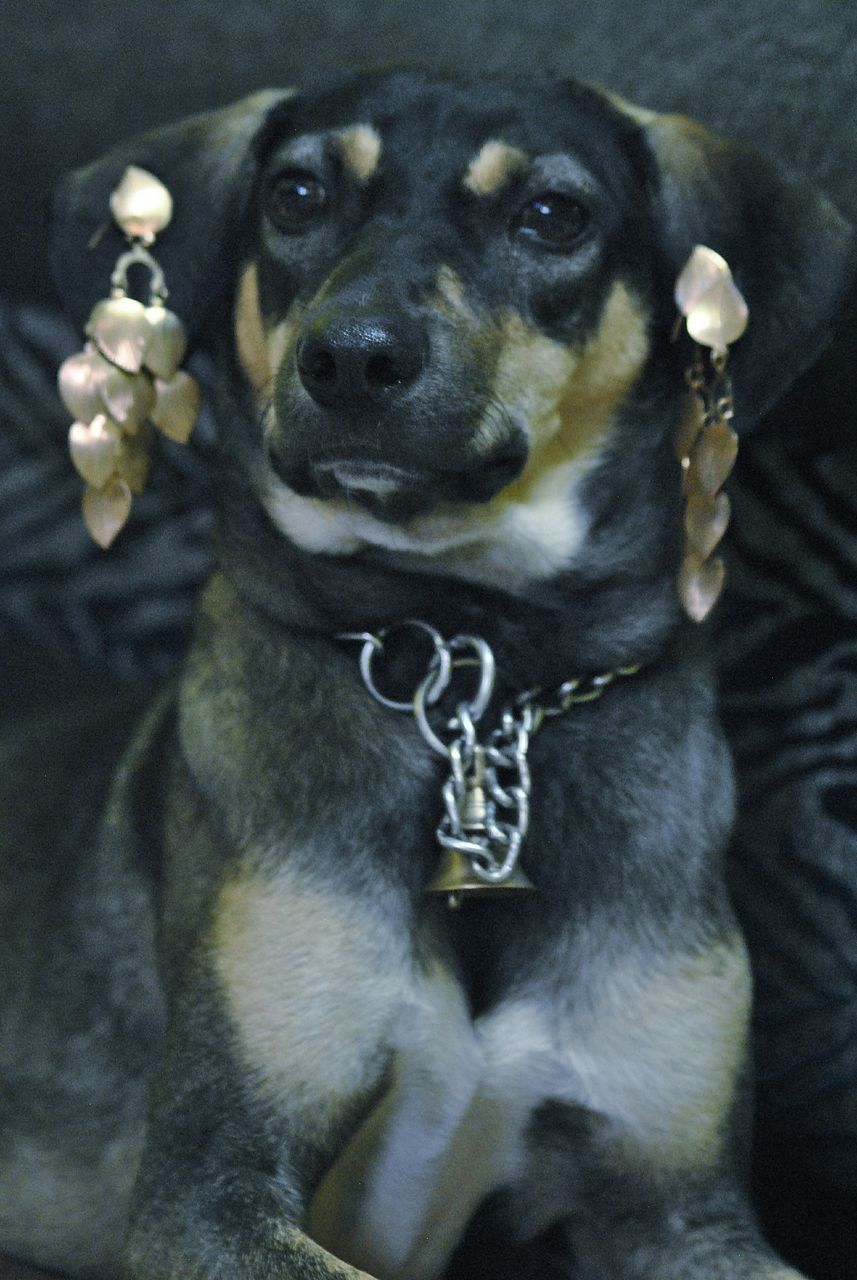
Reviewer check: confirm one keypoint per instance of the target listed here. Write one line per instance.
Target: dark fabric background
(781, 74)
(778, 74)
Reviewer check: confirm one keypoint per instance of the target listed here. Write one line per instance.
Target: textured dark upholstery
(779, 75)
(782, 76)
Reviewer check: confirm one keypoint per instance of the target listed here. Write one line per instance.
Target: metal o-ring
(419, 709)
(484, 658)
(439, 674)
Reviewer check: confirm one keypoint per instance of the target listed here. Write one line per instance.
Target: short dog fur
(243, 1042)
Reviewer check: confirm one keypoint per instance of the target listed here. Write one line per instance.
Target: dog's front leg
(173, 1243)
(702, 1232)
(641, 1164)
(278, 1046)
(278, 1251)
(227, 1170)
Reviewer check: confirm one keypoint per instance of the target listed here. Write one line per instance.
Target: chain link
(486, 796)
(713, 389)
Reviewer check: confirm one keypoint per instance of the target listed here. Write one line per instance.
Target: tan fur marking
(360, 147)
(664, 1076)
(669, 1072)
(683, 146)
(451, 300)
(261, 351)
(640, 115)
(495, 165)
(250, 335)
(453, 1116)
(312, 982)
(284, 334)
(570, 398)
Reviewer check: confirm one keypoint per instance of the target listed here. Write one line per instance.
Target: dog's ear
(208, 164)
(792, 254)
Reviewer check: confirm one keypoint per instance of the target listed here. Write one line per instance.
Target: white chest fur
(656, 1053)
(447, 1133)
(324, 991)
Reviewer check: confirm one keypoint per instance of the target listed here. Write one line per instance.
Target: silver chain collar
(486, 796)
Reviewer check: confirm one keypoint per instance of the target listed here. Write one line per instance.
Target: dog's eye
(294, 199)
(553, 219)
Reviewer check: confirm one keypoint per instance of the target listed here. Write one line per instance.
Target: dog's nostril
(354, 362)
(384, 371)
(320, 366)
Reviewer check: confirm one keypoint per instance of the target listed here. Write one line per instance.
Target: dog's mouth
(386, 491)
(397, 493)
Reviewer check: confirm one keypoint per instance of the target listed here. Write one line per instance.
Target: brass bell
(456, 880)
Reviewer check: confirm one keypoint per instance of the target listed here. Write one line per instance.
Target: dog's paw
(306, 1260)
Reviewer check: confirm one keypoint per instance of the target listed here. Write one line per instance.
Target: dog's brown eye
(294, 199)
(553, 219)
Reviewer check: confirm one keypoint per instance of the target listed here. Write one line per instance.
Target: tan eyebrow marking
(495, 165)
(360, 147)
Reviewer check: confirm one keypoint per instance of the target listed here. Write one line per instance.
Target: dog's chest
(448, 1132)
(652, 1054)
(331, 1007)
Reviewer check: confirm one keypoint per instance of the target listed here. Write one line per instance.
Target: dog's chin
(396, 494)
(387, 492)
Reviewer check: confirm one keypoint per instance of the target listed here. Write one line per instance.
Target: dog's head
(451, 304)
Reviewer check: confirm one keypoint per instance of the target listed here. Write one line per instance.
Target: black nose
(351, 363)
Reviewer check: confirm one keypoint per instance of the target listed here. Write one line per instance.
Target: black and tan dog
(244, 1042)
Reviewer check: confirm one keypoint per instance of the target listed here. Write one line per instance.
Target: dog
(246, 1042)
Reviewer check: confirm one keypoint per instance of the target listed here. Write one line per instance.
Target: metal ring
(487, 668)
(137, 255)
(418, 706)
(437, 678)
(425, 691)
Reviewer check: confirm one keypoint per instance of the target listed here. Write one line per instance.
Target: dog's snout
(351, 362)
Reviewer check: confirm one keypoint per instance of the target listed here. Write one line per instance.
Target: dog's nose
(353, 362)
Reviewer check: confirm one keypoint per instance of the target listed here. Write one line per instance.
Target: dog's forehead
(483, 131)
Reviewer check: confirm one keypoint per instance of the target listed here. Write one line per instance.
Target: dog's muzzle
(354, 364)
(375, 413)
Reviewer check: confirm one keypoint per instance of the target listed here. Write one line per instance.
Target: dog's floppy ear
(207, 163)
(792, 254)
